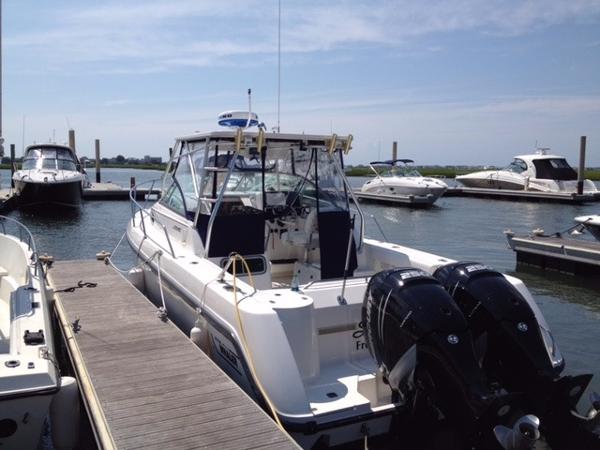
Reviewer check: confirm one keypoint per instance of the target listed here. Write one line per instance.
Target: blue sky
(454, 82)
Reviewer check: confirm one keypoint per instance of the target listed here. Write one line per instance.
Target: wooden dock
(407, 200)
(575, 256)
(144, 383)
(509, 194)
(112, 191)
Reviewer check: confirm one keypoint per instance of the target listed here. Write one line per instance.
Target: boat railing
(144, 214)
(24, 236)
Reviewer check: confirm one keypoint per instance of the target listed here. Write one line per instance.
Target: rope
(80, 284)
(251, 366)
(108, 259)
(52, 359)
(567, 230)
(162, 311)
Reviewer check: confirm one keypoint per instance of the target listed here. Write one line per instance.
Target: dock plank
(155, 388)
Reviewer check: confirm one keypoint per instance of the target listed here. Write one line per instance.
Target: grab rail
(135, 207)
(30, 241)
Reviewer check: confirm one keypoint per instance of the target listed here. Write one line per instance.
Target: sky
(453, 82)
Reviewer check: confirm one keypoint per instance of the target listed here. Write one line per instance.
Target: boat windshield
(517, 166)
(295, 175)
(398, 171)
(55, 158)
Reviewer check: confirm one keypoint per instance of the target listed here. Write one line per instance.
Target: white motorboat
(591, 223)
(394, 179)
(254, 249)
(534, 172)
(50, 175)
(29, 379)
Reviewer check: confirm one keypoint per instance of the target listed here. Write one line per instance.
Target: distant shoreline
(444, 172)
(91, 169)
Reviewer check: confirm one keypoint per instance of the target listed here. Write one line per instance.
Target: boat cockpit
(391, 168)
(280, 201)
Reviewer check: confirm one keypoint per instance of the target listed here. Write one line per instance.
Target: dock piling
(581, 172)
(395, 150)
(97, 145)
(72, 140)
(12, 165)
(132, 182)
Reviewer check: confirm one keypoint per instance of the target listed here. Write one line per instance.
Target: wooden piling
(12, 165)
(72, 140)
(132, 182)
(581, 172)
(394, 150)
(97, 145)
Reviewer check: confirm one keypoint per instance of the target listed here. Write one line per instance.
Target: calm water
(458, 228)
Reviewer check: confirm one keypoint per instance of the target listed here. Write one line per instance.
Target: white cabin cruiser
(534, 172)
(591, 223)
(51, 175)
(394, 179)
(254, 249)
(29, 378)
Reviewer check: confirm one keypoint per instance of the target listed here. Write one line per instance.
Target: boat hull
(502, 179)
(491, 183)
(424, 188)
(22, 421)
(38, 194)
(591, 224)
(28, 376)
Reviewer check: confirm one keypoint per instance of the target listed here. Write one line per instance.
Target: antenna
(1, 138)
(278, 67)
(249, 107)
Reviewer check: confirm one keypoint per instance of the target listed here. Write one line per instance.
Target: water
(81, 233)
(458, 228)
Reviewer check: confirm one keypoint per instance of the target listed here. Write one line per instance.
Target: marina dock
(144, 383)
(409, 200)
(575, 256)
(508, 194)
(113, 191)
(97, 191)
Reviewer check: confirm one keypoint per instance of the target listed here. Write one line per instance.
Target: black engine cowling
(514, 349)
(519, 354)
(412, 323)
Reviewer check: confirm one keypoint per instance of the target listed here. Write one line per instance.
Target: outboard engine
(515, 349)
(421, 341)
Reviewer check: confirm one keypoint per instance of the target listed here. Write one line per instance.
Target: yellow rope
(235, 257)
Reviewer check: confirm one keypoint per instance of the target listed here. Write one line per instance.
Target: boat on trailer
(29, 377)
(255, 249)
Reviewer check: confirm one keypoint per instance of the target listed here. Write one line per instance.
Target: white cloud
(163, 35)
